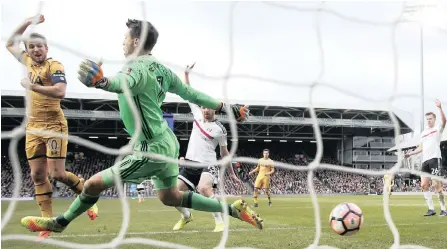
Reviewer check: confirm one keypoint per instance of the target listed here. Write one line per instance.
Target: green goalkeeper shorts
(136, 168)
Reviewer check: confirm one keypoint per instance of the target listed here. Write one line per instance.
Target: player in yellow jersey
(265, 169)
(47, 85)
(388, 183)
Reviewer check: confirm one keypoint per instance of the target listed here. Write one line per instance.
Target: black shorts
(140, 189)
(191, 176)
(433, 166)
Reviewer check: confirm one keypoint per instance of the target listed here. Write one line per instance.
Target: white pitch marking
(231, 230)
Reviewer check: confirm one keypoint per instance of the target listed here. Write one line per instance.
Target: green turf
(289, 223)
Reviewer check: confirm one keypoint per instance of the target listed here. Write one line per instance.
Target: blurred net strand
(17, 133)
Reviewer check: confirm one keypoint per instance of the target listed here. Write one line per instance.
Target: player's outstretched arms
(194, 96)
(443, 119)
(14, 46)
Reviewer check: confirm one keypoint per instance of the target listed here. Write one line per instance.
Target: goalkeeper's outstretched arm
(194, 96)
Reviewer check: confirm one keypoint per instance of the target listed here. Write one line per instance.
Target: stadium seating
(284, 182)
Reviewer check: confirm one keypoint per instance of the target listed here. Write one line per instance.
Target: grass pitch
(289, 223)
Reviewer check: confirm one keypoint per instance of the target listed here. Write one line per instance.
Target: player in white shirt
(140, 192)
(431, 159)
(207, 133)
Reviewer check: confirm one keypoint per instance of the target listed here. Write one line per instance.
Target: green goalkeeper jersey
(149, 81)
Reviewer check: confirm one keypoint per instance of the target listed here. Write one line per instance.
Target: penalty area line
(231, 230)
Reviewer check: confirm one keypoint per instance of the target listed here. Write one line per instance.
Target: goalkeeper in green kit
(148, 82)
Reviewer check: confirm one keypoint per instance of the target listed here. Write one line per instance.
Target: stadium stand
(352, 138)
(284, 182)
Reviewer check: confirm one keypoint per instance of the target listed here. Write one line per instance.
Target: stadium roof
(404, 116)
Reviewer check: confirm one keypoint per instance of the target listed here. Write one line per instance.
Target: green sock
(81, 204)
(202, 203)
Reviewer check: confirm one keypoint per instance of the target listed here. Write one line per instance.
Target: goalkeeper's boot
(219, 227)
(240, 210)
(40, 224)
(443, 213)
(93, 212)
(182, 222)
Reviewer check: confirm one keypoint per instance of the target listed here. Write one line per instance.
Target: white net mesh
(120, 239)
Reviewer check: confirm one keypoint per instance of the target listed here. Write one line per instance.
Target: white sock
(441, 200)
(217, 216)
(184, 211)
(139, 197)
(429, 200)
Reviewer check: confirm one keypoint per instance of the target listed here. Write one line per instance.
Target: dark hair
(34, 36)
(136, 28)
(430, 113)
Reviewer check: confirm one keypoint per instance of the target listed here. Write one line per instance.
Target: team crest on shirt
(129, 70)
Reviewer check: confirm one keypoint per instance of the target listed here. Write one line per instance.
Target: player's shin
(429, 200)
(255, 196)
(217, 215)
(81, 204)
(268, 195)
(441, 200)
(73, 182)
(201, 203)
(184, 212)
(44, 192)
(89, 196)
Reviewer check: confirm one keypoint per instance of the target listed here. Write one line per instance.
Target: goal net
(315, 89)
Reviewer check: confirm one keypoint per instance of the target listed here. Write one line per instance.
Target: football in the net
(346, 219)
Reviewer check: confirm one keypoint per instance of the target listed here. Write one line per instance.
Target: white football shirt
(205, 137)
(431, 140)
(140, 186)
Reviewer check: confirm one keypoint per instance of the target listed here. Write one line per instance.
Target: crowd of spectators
(283, 181)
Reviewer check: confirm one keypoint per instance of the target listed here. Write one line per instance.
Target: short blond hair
(430, 113)
(34, 36)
